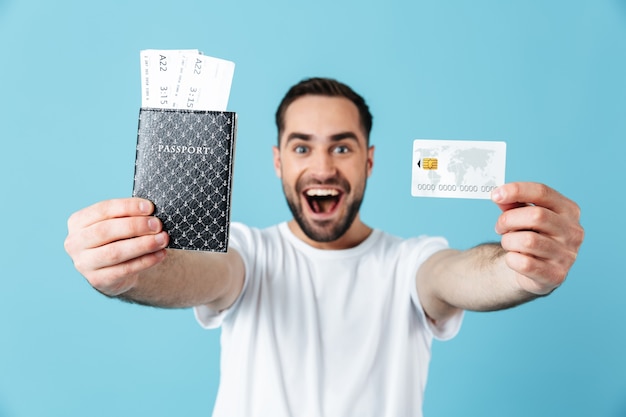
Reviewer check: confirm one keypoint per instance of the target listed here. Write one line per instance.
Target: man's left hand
(541, 234)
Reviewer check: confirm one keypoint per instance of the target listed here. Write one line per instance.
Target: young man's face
(324, 162)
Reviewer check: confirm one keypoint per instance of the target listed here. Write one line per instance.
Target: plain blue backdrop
(548, 77)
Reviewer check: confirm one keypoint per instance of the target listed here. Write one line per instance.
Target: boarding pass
(184, 79)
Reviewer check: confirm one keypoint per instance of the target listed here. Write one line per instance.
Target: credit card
(457, 168)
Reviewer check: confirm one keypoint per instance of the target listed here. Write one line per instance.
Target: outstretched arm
(541, 235)
(120, 249)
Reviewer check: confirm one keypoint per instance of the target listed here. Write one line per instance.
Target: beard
(327, 230)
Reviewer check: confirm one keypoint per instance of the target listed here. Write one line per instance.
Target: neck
(355, 235)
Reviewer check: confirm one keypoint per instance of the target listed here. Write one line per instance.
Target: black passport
(184, 165)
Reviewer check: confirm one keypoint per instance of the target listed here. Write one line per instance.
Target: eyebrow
(334, 138)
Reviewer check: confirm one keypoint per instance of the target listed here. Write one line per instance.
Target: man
(323, 315)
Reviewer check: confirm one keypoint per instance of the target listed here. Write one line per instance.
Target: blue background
(548, 77)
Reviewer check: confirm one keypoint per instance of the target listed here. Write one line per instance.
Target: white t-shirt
(325, 332)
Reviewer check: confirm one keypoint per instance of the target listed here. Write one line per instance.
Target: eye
(300, 149)
(341, 149)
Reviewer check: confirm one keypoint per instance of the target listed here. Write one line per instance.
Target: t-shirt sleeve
(240, 238)
(424, 248)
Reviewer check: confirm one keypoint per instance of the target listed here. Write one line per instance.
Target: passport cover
(184, 165)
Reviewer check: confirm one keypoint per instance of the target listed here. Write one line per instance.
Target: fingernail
(153, 224)
(144, 207)
(159, 238)
(496, 195)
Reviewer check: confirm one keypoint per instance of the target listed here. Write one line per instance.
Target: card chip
(429, 163)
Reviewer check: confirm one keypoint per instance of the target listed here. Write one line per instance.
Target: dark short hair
(324, 87)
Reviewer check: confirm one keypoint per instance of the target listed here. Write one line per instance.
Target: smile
(323, 200)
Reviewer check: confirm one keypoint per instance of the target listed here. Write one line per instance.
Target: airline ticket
(184, 79)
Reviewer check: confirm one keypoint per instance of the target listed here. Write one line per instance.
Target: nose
(323, 166)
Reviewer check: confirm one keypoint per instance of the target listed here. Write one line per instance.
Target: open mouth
(322, 200)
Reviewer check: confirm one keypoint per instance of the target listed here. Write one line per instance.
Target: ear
(370, 160)
(277, 164)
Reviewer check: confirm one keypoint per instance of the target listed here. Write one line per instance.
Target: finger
(109, 209)
(510, 206)
(117, 279)
(538, 276)
(564, 230)
(111, 230)
(524, 193)
(119, 252)
(531, 244)
(541, 261)
(534, 218)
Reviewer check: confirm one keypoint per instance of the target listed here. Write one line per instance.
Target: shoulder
(420, 244)
(244, 237)
(405, 255)
(241, 229)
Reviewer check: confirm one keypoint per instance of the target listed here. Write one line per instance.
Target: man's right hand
(111, 242)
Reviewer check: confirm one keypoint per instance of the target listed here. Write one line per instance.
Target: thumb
(498, 197)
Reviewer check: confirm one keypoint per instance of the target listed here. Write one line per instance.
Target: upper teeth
(322, 192)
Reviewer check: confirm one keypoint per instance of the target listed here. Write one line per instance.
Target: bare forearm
(480, 280)
(186, 279)
(120, 249)
(541, 236)
(477, 279)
